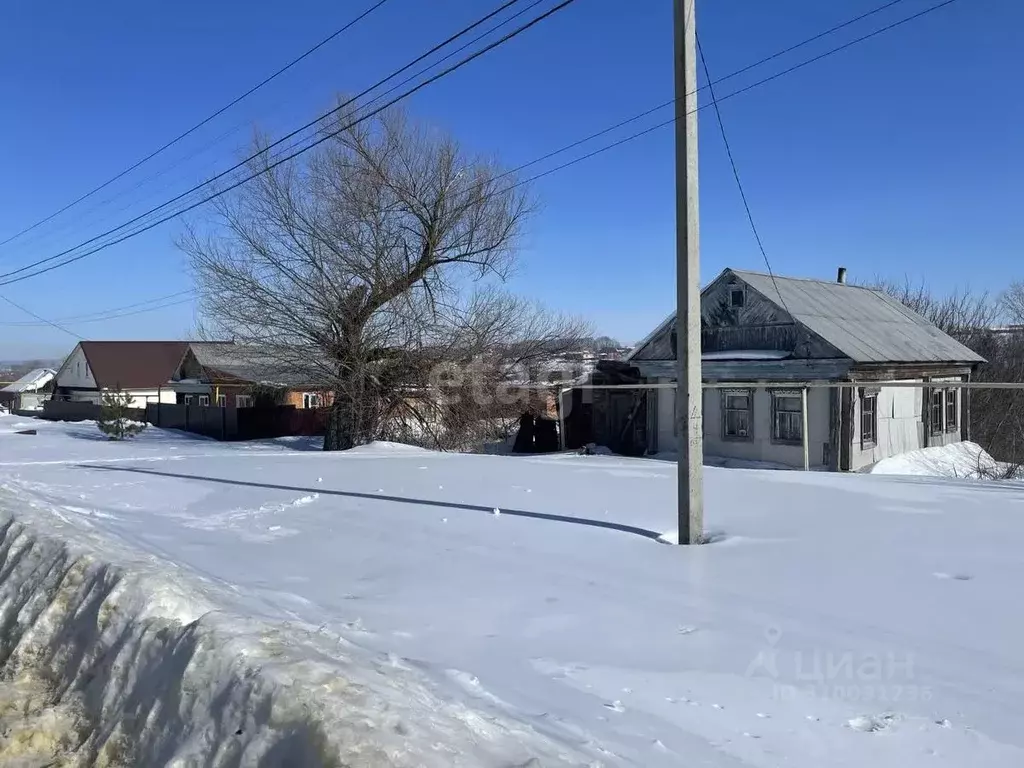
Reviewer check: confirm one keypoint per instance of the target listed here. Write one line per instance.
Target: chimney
(841, 276)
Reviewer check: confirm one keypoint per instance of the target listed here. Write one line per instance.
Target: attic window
(737, 297)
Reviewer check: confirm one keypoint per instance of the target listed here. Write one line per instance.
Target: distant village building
(29, 391)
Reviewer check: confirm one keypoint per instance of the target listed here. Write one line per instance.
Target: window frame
(952, 421)
(243, 401)
(937, 426)
(866, 396)
(726, 410)
(308, 399)
(776, 395)
(204, 401)
(734, 291)
(187, 400)
(222, 400)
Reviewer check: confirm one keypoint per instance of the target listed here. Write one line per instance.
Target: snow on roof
(32, 381)
(747, 354)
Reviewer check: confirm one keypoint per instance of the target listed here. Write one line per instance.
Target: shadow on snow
(622, 527)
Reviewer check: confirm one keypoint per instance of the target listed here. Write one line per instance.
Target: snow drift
(962, 460)
(115, 668)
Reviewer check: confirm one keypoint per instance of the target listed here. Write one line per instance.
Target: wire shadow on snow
(584, 521)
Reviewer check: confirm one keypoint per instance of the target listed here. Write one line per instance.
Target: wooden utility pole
(689, 400)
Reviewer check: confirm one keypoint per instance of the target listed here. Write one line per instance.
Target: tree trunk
(339, 434)
(349, 422)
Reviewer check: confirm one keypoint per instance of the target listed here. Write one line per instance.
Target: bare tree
(976, 320)
(959, 312)
(1012, 301)
(365, 265)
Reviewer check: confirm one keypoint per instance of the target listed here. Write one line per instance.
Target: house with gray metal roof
(758, 328)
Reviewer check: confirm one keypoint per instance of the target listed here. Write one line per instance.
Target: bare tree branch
(368, 264)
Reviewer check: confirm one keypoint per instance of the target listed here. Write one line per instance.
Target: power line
(238, 126)
(666, 123)
(670, 121)
(736, 172)
(818, 36)
(201, 123)
(115, 312)
(310, 124)
(639, 116)
(30, 313)
(270, 166)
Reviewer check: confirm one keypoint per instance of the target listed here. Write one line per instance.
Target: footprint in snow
(686, 630)
(615, 706)
(954, 576)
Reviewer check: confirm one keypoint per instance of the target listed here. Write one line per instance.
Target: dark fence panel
(280, 421)
(238, 423)
(69, 410)
(211, 421)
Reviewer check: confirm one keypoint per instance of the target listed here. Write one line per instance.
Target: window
(204, 400)
(311, 400)
(868, 418)
(188, 400)
(222, 401)
(736, 415)
(243, 401)
(937, 412)
(737, 298)
(787, 417)
(951, 420)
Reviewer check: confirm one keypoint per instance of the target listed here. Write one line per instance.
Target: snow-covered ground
(247, 602)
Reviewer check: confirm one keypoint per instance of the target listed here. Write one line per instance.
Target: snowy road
(836, 620)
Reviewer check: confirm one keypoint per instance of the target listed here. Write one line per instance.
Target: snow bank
(958, 460)
(117, 666)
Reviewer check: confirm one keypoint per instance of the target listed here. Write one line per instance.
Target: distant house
(29, 391)
(242, 379)
(143, 369)
(184, 372)
(756, 328)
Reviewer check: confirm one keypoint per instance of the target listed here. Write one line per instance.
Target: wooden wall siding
(716, 312)
(661, 347)
(759, 324)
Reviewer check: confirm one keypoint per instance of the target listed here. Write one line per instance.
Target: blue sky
(900, 156)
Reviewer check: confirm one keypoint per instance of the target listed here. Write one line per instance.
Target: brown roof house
(146, 370)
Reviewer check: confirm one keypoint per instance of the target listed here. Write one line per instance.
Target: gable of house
(74, 372)
(127, 365)
(808, 319)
